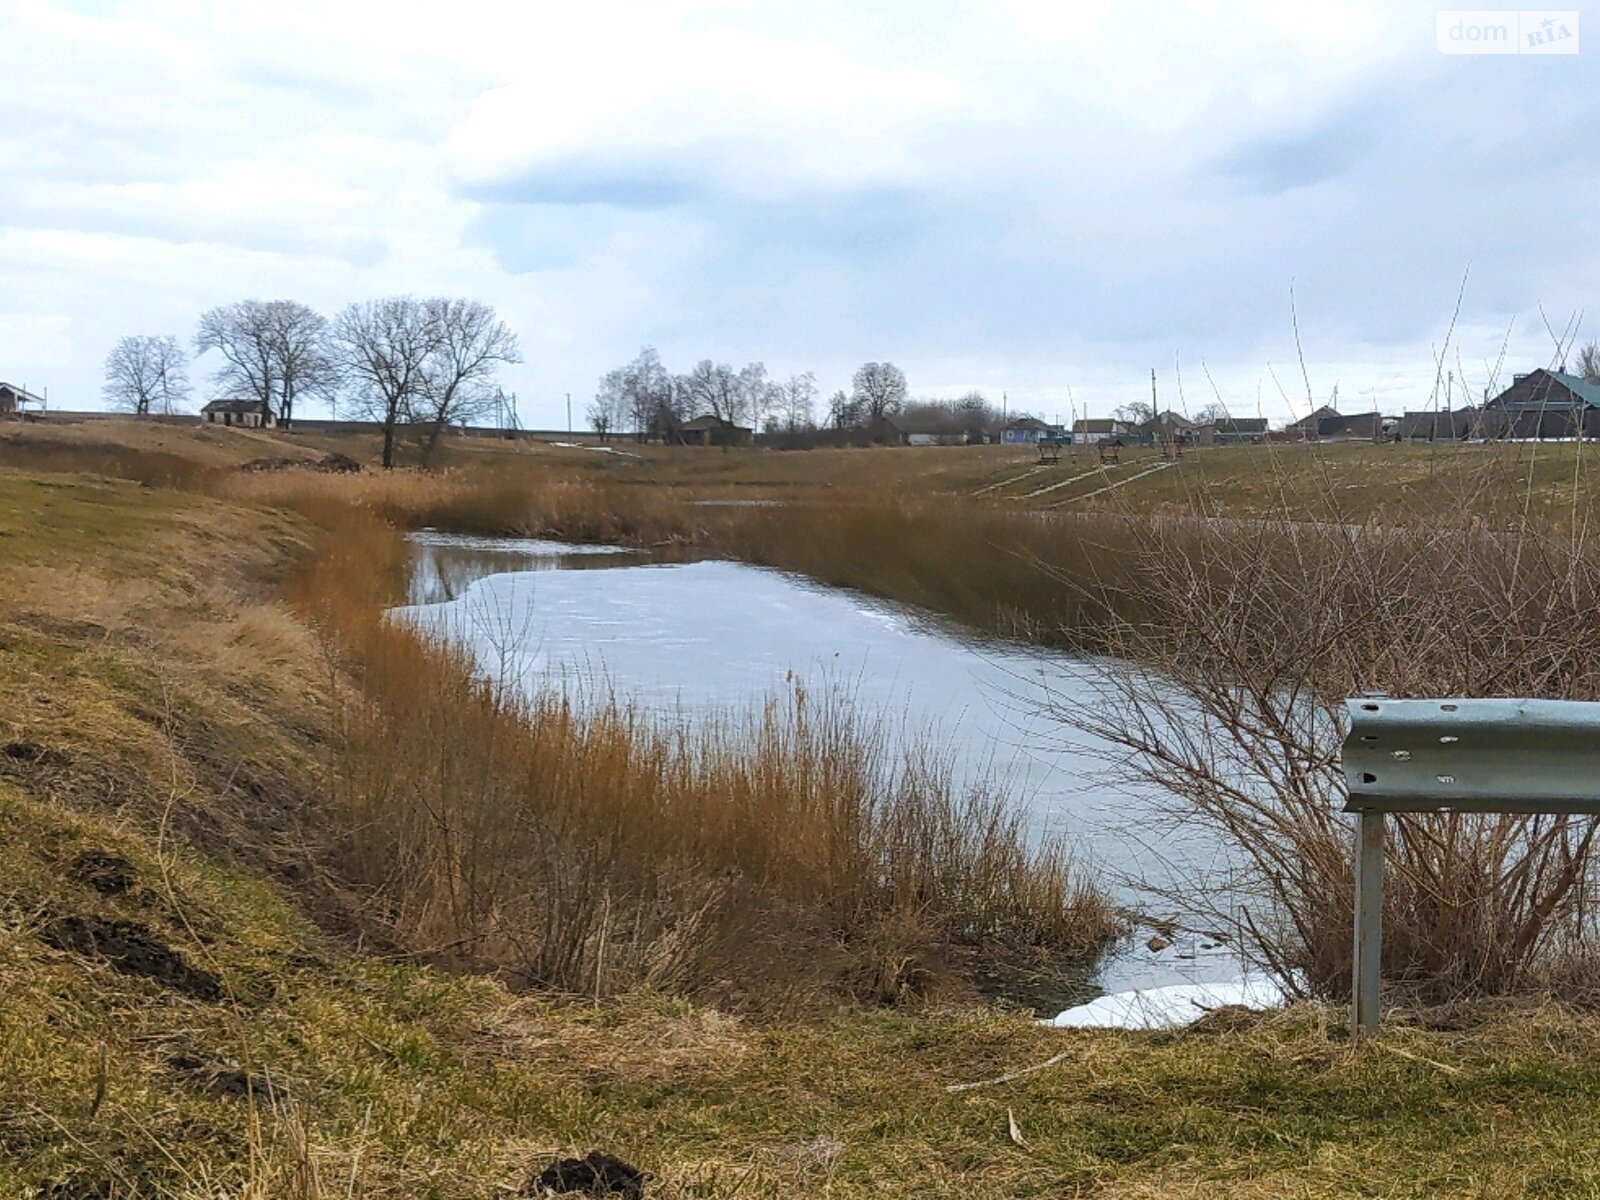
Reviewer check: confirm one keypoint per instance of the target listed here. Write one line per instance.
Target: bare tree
(758, 396)
(709, 388)
(1589, 361)
(741, 397)
(1135, 412)
(470, 344)
(1210, 414)
(842, 411)
(273, 351)
(878, 390)
(385, 349)
(147, 374)
(601, 419)
(797, 399)
(637, 396)
(299, 338)
(243, 336)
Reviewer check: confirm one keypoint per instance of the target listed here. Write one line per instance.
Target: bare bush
(1230, 701)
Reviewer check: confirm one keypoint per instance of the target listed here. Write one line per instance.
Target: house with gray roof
(251, 414)
(1544, 404)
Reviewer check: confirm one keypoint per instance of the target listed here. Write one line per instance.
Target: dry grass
(755, 861)
(494, 502)
(1331, 596)
(171, 668)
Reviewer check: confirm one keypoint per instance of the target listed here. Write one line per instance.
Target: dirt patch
(222, 1079)
(107, 874)
(22, 751)
(334, 464)
(132, 950)
(596, 1174)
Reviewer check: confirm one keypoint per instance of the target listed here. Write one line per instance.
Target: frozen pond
(690, 637)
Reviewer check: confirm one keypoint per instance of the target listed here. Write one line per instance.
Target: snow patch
(596, 449)
(1171, 1007)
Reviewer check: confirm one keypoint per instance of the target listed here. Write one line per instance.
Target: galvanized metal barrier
(1481, 756)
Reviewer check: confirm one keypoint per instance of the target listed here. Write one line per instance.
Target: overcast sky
(1033, 196)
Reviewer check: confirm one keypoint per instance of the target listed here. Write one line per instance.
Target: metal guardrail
(1479, 756)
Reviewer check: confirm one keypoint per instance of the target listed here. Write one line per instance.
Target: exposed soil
(596, 1174)
(132, 950)
(107, 874)
(336, 464)
(215, 1077)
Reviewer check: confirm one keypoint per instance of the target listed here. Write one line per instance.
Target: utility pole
(1153, 409)
(569, 414)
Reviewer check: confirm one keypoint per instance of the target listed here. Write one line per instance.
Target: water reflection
(445, 565)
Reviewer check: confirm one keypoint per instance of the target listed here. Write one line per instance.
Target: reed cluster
(757, 860)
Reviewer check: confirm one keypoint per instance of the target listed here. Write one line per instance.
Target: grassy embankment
(158, 690)
(175, 716)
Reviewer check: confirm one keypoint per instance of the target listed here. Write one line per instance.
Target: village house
(886, 431)
(1440, 426)
(1028, 431)
(711, 430)
(1232, 431)
(251, 414)
(15, 401)
(1544, 404)
(1169, 427)
(1086, 431)
(1329, 425)
(934, 425)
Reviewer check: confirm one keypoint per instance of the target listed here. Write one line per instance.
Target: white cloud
(1033, 191)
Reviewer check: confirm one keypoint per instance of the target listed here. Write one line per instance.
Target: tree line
(403, 361)
(646, 400)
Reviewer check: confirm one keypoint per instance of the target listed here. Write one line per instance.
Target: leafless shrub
(1229, 700)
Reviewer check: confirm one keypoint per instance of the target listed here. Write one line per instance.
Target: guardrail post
(1367, 978)
(1483, 755)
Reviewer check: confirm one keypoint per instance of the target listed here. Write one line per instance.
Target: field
(198, 1001)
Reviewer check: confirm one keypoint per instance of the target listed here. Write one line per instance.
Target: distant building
(1441, 426)
(1086, 431)
(1028, 431)
(15, 401)
(251, 414)
(1167, 427)
(711, 430)
(1232, 431)
(932, 425)
(1544, 404)
(1327, 424)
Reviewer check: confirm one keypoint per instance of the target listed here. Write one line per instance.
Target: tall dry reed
(751, 861)
(494, 501)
